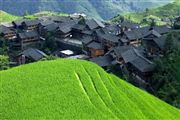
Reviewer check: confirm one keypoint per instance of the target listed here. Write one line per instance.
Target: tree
(4, 62)
(3, 46)
(153, 23)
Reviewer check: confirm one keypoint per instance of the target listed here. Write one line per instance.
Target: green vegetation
(44, 13)
(75, 89)
(4, 62)
(168, 11)
(5, 17)
(166, 80)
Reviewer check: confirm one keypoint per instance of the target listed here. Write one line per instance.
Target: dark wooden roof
(79, 27)
(46, 22)
(95, 45)
(86, 40)
(161, 41)
(128, 24)
(135, 58)
(51, 27)
(4, 29)
(143, 64)
(103, 61)
(30, 34)
(66, 27)
(162, 29)
(31, 22)
(33, 54)
(93, 24)
(152, 32)
(121, 49)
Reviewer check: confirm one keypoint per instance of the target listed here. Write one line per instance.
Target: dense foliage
(166, 80)
(161, 15)
(4, 62)
(75, 89)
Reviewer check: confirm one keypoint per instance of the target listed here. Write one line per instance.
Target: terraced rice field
(75, 89)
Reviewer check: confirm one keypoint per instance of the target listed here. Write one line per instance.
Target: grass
(75, 89)
(5, 17)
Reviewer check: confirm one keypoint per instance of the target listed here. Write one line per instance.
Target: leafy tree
(153, 23)
(50, 44)
(4, 62)
(166, 79)
(3, 46)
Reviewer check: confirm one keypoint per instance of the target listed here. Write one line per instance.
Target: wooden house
(94, 24)
(30, 25)
(109, 41)
(163, 29)
(134, 37)
(30, 55)
(47, 27)
(127, 25)
(85, 41)
(29, 39)
(95, 49)
(65, 29)
(155, 45)
(77, 31)
(137, 65)
(7, 33)
(117, 52)
(112, 29)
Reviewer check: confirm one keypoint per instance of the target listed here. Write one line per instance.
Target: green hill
(167, 11)
(74, 89)
(5, 17)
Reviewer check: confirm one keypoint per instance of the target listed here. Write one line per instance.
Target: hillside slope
(74, 89)
(102, 9)
(167, 11)
(5, 17)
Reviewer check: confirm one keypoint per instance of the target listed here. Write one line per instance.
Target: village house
(134, 38)
(65, 30)
(30, 55)
(30, 25)
(85, 41)
(95, 49)
(109, 41)
(94, 24)
(138, 66)
(117, 52)
(77, 31)
(112, 29)
(164, 29)
(127, 25)
(8, 25)
(29, 39)
(48, 27)
(7, 33)
(155, 45)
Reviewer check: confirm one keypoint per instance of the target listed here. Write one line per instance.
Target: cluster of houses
(125, 44)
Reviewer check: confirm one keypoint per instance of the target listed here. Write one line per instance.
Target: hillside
(75, 89)
(167, 11)
(101, 9)
(5, 17)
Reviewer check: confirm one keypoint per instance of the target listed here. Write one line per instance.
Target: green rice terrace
(75, 89)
